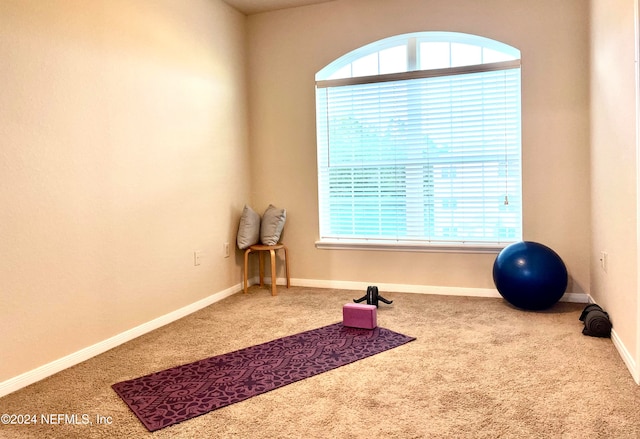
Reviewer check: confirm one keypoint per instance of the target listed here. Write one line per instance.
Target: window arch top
(418, 51)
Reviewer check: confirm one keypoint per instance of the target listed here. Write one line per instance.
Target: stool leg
(246, 269)
(274, 291)
(261, 269)
(286, 266)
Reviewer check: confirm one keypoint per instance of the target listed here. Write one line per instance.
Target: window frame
(326, 78)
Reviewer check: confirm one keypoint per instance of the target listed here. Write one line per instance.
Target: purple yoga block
(358, 315)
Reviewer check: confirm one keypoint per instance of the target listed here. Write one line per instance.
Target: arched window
(419, 144)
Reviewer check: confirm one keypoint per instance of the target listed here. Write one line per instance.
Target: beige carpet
(478, 369)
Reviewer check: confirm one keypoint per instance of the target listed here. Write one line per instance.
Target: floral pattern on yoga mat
(174, 395)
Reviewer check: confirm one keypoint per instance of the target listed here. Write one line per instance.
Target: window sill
(400, 246)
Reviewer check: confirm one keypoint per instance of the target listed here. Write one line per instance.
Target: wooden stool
(272, 250)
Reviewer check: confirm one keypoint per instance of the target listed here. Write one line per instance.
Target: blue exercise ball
(530, 275)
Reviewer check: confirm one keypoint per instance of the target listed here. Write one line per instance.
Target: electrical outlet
(226, 249)
(604, 261)
(197, 255)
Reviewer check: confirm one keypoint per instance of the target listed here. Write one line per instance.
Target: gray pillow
(272, 224)
(249, 228)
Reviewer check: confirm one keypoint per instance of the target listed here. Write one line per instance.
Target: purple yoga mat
(174, 395)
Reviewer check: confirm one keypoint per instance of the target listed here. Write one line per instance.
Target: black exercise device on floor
(372, 297)
(596, 321)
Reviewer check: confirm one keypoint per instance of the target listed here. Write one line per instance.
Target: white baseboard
(627, 358)
(420, 289)
(42, 372)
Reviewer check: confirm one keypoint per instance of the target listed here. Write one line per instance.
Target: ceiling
(249, 7)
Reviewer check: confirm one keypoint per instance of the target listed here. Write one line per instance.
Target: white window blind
(430, 157)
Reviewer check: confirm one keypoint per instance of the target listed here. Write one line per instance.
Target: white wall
(124, 149)
(614, 168)
(286, 49)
